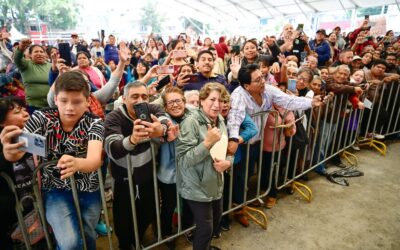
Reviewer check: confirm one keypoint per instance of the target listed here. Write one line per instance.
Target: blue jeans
(62, 217)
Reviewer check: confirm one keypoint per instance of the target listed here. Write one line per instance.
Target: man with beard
(293, 42)
(205, 65)
(391, 61)
(345, 57)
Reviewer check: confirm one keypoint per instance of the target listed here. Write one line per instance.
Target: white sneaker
(379, 136)
(356, 147)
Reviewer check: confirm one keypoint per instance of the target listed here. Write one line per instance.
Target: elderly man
(293, 42)
(321, 47)
(127, 140)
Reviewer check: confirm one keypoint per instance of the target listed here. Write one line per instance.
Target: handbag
(33, 226)
(299, 139)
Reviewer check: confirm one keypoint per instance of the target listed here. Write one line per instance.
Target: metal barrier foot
(298, 186)
(247, 211)
(378, 145)
(347, 156)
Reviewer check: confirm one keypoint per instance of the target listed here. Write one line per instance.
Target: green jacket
(35, 78)
(196, 177)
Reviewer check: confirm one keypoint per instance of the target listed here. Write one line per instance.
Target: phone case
(142, 111)
(163, 82)
(34, 144)
(65, 53)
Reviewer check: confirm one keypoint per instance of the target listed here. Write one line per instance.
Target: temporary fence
(322, 133)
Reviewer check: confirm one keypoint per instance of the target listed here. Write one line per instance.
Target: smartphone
(34, 144)
(366, 17)
(180, 54)
(98, 54)
(300, 27)
(236, 49)
(102, 33)
(142, 111)
(292, 85)
(166, 69)
(164, 81)
(65, 53)
(193, 78)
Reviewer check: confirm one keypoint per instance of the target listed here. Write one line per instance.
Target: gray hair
(190, 93)
(135, 84)
(343, 67)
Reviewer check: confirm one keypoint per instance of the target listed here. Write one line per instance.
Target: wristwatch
(234, 139)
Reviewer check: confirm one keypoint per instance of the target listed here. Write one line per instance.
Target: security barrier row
(329, 130)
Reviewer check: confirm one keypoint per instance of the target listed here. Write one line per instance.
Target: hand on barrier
(68, 167)
(232, 147)
(316, 101)
(358, 91)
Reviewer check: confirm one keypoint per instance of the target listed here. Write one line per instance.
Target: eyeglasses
(302, 79)
(172, 102)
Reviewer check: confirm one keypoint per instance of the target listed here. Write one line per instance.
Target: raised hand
(235, 66)
(124, 53)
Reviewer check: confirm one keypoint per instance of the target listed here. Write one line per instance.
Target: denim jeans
(62, 217)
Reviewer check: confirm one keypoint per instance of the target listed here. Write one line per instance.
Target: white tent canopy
(224, 10)
(15, 34)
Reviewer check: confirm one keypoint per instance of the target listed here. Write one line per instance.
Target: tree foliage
(151, 17)
(58, 14)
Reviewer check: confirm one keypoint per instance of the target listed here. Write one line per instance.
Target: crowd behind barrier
(194, 135)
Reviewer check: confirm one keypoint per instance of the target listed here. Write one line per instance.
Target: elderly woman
(84, 64)
(35, 74)
(199, 175)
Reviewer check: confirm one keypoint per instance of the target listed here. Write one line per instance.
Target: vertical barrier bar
(78, 210)
(133, 204)
(157, 202)
(336, 125)
(327, 140)
(371, 112)
(18, 210)
(392, 113)
(104, 205)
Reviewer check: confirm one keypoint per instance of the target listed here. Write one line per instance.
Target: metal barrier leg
(379, 146)
(348, 156)
(297, 187)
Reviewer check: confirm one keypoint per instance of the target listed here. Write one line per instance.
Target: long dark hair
(8, 103)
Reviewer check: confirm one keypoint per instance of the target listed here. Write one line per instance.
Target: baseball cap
(321, 31)
(356, 58)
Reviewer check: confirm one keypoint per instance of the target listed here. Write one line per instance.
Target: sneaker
(356, 147)
(189, 237)
(270, 202)
(217, 235)
(225, 227)
(379, 136)
(241, 218)
(101, 228)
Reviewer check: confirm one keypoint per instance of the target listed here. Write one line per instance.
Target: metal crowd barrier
(337, 130)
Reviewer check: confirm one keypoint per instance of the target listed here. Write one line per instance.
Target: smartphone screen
(292, 85)
(236, 49)
(180, 54)
(166, 69)
(163, 82)
(65, 53)
(300, 27)
(193, 78)
(98, 54)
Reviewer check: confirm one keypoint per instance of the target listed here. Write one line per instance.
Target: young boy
(74, 141)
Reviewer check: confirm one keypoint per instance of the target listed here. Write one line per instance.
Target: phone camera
(39, 142)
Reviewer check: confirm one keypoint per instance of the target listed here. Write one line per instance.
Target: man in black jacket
(127, 139)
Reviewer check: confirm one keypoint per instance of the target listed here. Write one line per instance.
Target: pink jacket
(280, 135)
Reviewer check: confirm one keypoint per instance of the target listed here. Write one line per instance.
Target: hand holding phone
(142, 111)
(33, 143)
(192, 78)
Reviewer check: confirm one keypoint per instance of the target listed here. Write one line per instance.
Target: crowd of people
(194, 101)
